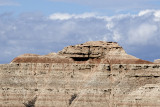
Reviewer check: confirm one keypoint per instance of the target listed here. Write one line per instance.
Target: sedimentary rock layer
(80, 77)
(92, 84)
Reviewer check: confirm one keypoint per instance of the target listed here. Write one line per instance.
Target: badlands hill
(93, 74)
(90, 52)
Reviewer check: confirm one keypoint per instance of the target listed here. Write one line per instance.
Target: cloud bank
(36, 33)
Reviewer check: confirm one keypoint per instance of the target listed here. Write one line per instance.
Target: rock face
(157, 61)
(98, 49)
(87, 75)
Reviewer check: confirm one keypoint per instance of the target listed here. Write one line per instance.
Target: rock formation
(86, 75)
(94, 52)
(157, 61)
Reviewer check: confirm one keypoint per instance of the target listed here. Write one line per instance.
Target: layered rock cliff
(87, 75)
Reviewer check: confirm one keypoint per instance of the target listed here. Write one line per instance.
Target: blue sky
(45, 7)
(105, 7)
(44, 26)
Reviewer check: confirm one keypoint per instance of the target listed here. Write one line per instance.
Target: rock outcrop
(87, 75)
(157, 61)
(93, 52)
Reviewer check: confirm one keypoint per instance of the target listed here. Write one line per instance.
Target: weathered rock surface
(157, 61)
(93, 74)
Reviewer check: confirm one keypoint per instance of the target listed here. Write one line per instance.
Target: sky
(45, 26)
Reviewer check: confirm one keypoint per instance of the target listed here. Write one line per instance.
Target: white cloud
(116, 36)
(140, 29)
(145, 12)
(60, 16)
(66, 16)
(33, 33)
(142, 34)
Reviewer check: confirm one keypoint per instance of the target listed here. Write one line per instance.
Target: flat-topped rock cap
(100, 43)
(95, 49)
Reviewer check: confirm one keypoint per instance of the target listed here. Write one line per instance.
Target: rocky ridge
(93, 52)
(86, 75)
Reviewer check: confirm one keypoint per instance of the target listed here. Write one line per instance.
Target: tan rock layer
(93, 74)
(125, 85)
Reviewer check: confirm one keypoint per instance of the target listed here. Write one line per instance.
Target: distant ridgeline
(93, 74)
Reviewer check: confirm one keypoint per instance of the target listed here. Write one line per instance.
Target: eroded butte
(93, 74)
